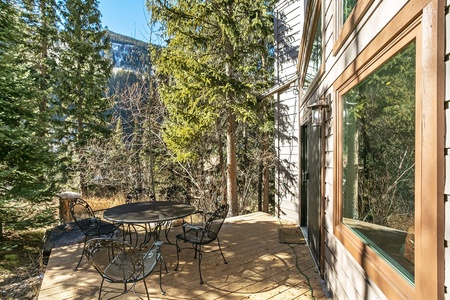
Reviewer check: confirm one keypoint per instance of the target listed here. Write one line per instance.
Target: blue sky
(127, 17)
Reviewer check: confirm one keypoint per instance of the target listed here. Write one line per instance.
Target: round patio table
(148, 212)
(159, 213)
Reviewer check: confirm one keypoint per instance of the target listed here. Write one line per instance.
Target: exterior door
(313, 191)
(304, 175)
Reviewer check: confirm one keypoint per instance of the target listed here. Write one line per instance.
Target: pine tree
(83, 75)
(25, 157)
(213, 60)
(41, 48)
(41, 17)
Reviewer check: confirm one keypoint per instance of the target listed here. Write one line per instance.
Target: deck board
(259, 267)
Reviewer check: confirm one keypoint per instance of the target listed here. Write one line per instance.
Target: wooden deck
(259, 267)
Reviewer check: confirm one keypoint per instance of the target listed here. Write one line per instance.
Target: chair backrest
(215, 221)
(119, 261)
(83, 214)
(177, 193)
(140, 195)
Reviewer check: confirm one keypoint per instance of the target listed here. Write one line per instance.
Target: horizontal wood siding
(344, 276)
(343, 273)
(287, 148)
(288, 27)
(342, 282)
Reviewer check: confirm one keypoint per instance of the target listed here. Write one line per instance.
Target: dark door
(313, 217)
(304, 175)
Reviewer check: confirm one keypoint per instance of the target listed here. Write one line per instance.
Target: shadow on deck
(259, 267)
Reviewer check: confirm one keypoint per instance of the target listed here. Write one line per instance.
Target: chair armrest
(154, 249)
(192, 227)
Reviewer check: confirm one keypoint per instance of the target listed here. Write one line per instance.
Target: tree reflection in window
(315, 58)
(378, 160)
(347, 7)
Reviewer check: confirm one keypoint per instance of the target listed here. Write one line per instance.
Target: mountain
(129, 53)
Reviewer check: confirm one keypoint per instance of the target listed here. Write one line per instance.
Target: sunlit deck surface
(259, 267)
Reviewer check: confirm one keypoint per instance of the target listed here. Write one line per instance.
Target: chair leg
(160, 271)
(178, 255)
(165, 265)
(82, 254)
(220, 248)
(146, 290)
(199, 262)
(100, 290)
(196, 250)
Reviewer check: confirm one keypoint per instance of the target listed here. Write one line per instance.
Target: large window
(347, 7)
(311, 54)
(378, 158)
(349, 13)
(315, 57)
(388, 157)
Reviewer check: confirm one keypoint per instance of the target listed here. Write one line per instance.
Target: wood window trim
(312, 13)
(422, 21)
(350, 24)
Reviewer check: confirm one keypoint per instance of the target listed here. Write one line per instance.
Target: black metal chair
(198, 235)
(140, 195)
(119, 262)
(177, 193)
(89, 224)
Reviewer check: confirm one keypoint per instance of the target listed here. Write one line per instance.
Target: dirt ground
(21, 265)
(21, 286)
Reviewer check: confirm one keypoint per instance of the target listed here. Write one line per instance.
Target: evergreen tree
(83, 75)
(25, 158)
(41, 48)
(214, 62)
(41, 17)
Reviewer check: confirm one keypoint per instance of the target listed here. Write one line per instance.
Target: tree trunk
(260, 181)
(231, 138)
(231, 166)
(265, 173)
(223, 175)
(265, 150)
(79, 146)
(150, 136)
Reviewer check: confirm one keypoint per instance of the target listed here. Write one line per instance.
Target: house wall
(345, 276)
(288, 26)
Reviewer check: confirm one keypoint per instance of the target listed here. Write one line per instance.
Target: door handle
(305, 176)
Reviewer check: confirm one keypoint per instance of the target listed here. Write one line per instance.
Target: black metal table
(158, 213)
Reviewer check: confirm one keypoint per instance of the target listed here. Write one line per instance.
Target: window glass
(347, 7)
(378, 160)
(315, 58)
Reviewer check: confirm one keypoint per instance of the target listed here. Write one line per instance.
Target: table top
(148, 212)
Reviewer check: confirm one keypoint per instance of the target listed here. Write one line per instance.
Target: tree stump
(64, 211)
